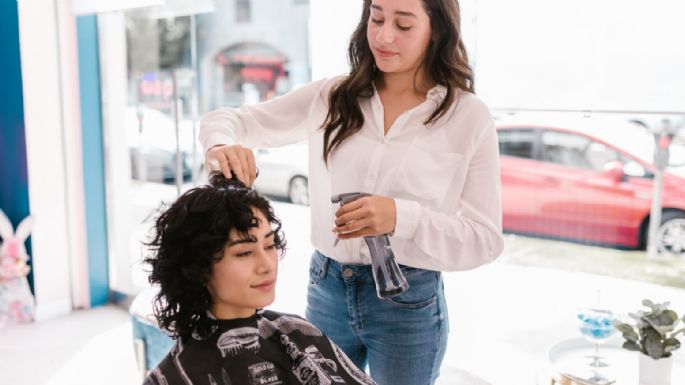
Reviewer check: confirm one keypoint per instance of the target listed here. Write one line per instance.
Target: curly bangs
(189, 238)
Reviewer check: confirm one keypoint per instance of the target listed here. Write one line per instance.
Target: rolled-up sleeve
(276, 122)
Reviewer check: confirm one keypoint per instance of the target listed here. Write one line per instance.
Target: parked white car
(152, 144)
(283, 172)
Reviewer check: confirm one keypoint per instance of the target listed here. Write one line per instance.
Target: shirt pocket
(426, 174)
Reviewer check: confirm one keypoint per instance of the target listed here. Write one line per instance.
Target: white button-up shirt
(444, 177)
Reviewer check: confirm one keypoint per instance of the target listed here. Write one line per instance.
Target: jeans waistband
(344, 271)
(353, 271)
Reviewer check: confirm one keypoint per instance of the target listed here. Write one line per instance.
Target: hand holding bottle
(366, 215)
(386, 272)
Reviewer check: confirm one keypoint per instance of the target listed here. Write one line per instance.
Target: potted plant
(654, 335)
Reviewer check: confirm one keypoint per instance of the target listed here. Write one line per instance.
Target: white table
(571, 356)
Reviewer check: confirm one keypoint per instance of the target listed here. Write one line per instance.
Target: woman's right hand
(233, 159)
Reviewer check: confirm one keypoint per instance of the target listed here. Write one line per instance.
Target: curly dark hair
(188, 238)
(446, 63)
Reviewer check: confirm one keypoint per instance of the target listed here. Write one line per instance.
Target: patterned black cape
(268, 348)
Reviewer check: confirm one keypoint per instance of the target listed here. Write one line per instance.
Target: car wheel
(670, 238)
(298, 190)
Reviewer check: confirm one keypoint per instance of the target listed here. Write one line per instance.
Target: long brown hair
(445, 63)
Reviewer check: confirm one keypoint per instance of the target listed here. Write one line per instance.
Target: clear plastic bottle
(386, 272)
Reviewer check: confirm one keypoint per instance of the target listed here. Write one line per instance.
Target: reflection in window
(160, 80)
(518, 143)
(249, 73)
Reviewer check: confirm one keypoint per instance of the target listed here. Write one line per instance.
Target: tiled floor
(85, 347)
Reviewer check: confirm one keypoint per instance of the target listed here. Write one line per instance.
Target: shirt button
(347, 272)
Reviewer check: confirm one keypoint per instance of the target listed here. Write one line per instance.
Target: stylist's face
(398, 33)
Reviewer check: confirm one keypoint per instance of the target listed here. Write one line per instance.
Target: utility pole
(663, 135)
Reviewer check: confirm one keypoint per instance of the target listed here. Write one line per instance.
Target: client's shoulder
(287, 323)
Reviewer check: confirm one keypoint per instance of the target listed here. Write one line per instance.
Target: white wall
(46, 157)
(73, 153)
(331, 25)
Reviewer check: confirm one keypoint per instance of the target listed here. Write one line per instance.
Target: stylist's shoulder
(324, 86)
(472, 105)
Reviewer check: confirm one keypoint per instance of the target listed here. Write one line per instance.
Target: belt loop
(324, 264)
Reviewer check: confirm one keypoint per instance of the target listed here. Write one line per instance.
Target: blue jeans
(402, 339)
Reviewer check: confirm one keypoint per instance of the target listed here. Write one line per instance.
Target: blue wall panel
(14, 187)
(93, 158)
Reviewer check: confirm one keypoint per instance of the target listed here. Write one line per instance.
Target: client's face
(245, 278)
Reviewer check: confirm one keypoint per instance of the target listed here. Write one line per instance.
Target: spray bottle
(386, 272)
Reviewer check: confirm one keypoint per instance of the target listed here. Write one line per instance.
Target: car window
(565, 149)
(633, 168)
(600, 156)
(518, 143)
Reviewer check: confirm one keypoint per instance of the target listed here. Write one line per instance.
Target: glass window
(518, 143)
(174, 63)
(242, 11)
(633, 168)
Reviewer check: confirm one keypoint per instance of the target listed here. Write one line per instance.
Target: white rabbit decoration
(16, 300)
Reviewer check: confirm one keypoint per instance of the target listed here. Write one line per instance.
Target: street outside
(572, 257)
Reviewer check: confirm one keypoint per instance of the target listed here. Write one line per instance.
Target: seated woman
(215, 258)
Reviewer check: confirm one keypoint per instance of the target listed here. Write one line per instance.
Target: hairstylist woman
(405, 126)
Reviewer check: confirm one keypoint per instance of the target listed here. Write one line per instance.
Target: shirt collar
(437, 93)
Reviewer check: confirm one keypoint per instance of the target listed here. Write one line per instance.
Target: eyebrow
(247, 240)
(401, 13)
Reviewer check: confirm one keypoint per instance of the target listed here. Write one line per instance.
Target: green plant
(654, 333)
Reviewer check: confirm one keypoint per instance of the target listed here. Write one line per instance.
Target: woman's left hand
(367, 216)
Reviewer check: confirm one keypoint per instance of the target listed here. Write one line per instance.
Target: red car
(587, 181)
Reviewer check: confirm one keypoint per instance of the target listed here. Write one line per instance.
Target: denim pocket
(423, 288)
(317, 268)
